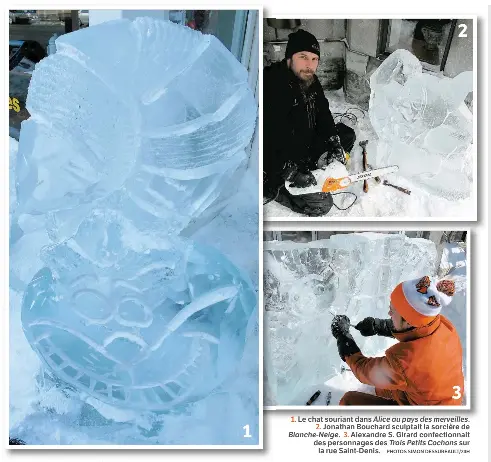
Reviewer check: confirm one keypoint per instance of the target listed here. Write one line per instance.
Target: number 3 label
(457, 395)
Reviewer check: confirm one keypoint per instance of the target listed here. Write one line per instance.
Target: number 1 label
(247, 434)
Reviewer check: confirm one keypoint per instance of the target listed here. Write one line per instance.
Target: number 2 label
(463, 33)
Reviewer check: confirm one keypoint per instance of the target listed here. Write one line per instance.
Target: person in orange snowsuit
(424, 367)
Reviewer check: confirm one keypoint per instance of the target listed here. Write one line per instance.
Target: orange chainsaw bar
(334, 184)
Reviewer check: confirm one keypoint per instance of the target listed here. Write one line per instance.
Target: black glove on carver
(340, 330)
(374, 326)
(335, 151)
(302, 180)
(299, 175)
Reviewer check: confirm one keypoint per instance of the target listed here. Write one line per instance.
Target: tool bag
(313, 204)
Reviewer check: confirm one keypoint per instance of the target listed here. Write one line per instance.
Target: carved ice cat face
(154, 330)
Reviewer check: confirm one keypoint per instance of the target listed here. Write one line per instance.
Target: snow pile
(141, 329)
(351, 274)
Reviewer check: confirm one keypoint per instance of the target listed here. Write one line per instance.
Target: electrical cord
(348, 115)
(345, 192)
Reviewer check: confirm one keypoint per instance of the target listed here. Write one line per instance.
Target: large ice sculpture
(350, 274)
(137, 133)
(423, 124)
(145, 116)
(150, 331)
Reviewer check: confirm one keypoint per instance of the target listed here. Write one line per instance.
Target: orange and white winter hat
(418, 301)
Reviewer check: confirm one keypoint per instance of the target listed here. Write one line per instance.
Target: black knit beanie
(301, 41)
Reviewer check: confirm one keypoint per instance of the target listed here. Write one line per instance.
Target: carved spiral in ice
(146, 116)
(423, 124)
(155, 329)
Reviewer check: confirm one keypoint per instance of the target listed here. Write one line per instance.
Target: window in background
(228, 26)
(428, 39)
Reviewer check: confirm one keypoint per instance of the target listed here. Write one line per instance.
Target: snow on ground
(381, 200)
(301, 355)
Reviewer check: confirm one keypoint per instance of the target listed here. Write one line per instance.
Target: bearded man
(299, 131)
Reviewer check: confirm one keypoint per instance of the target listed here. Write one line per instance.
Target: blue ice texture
(423, 124)
(145, 116)
(138, 134)
(153, 330)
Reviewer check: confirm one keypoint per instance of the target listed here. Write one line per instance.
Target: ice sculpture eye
(91, 305)
(162, 138)
(149, 333)
(133, 312)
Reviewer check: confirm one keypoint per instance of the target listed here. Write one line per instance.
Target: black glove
(302, 180)
(334, 151)
(340, 326)
(290, 169)
(340, 330)
(324, 160)
(373, 326)
(347, 347)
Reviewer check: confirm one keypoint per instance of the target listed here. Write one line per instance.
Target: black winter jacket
(287, 133)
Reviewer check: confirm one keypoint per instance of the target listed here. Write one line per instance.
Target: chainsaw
(331, 184)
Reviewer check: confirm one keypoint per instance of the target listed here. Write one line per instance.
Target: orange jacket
(424, 368)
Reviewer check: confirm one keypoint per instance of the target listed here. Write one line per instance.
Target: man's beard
(305, 79)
